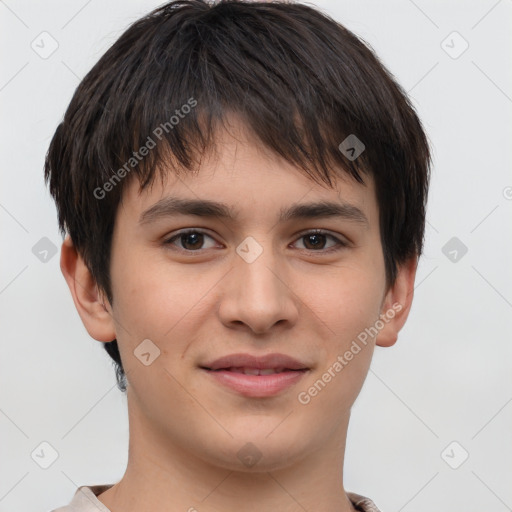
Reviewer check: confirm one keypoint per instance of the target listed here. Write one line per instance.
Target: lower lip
(257, 386)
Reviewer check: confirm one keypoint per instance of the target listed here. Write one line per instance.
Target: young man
(243, 189)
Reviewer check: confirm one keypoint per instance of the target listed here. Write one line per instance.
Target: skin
(295, 298)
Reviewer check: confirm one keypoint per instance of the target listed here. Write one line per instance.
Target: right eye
(193, 238)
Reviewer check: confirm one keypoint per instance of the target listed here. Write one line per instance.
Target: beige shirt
(85, 500)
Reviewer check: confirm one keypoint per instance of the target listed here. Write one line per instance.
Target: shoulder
(362, 503)
(85, 500)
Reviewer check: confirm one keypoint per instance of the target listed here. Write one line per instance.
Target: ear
(397, 303)
(94, 310)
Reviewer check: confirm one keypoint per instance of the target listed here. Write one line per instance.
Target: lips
(249, 364)
(256, 376)
(256, 371)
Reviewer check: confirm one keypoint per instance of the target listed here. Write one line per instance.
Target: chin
(255, 450)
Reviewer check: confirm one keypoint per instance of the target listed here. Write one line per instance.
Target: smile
(256, 382)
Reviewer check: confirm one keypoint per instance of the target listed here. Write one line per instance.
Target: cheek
(345, 302)
(149, 299)
(160, 305)
(343, 315)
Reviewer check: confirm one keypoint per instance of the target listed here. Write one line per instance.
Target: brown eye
(191, 240)
(316, 241)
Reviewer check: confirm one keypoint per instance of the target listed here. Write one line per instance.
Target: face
(191, 286)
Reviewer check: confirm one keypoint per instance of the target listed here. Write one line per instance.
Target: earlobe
(96, 314)
(397, 303)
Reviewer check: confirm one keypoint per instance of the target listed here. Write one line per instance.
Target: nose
(258, 295)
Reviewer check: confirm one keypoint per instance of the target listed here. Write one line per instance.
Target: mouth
(255, 371)
(269, 362)
(256, 377)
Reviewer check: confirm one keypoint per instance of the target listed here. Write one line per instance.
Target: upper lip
(260, 362)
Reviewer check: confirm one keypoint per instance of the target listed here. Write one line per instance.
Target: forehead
(251, 180)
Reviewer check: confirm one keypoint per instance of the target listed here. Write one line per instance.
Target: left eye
(194, 239)
(317, 238)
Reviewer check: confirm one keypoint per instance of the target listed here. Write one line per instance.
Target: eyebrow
(171, 206)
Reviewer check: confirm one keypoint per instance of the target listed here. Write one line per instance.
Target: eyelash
(340, 244)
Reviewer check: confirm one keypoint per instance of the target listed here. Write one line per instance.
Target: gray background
(446, 380)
